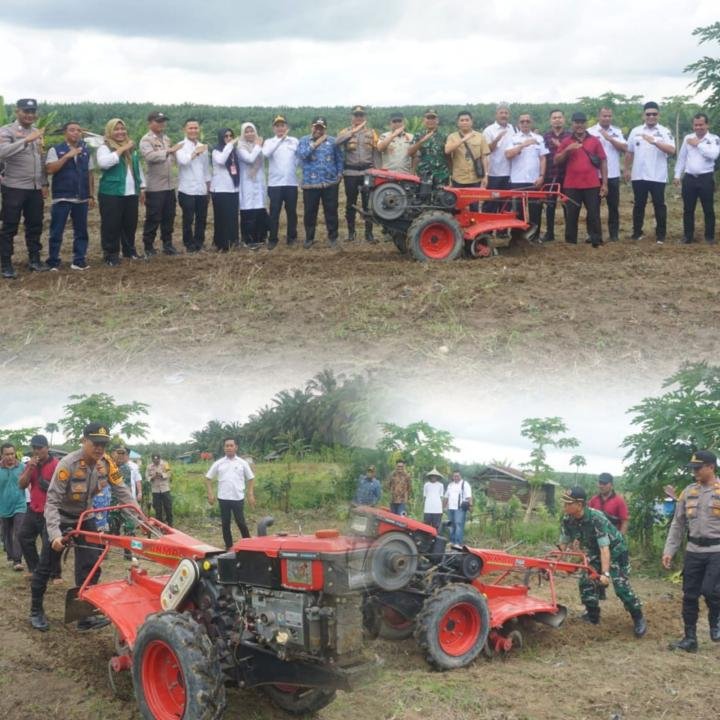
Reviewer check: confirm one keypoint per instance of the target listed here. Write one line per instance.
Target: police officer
(78, 477)
(590, 530)
(698, 512)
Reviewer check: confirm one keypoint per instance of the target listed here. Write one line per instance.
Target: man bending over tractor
(590, 531)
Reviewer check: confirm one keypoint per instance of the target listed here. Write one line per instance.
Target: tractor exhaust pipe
(264, 524)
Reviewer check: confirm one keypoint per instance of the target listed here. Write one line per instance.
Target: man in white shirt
(193, 186)
(527, 154)
(613, 142)
(235, 481)
(646, 165)
(433, 492)
(696, 166)
(282, 180)
(498, 136)
(457, 501)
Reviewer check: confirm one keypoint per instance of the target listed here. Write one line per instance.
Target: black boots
(591, 615)
(639, 624)
(688, 643)
(714, 628)
(37, 616)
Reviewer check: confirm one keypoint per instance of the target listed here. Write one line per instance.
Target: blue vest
(72, 180)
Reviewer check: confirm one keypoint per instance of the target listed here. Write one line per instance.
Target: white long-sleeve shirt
(193, 172)
(107, 158)
(252, 189)
(282, 161)
(221, 179)
(698, 159)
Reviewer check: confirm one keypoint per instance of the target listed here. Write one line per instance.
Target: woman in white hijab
(254, 222)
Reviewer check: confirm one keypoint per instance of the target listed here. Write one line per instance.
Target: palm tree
(52, 428)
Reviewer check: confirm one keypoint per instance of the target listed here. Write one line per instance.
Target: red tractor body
(440, 223)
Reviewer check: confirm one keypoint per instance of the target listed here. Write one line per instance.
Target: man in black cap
(585, 179)
(360, 145)
(646, 164)
(609, 502)
(394, 145)
(37, 475)
(24, 186)
(590, 531)
(697, 514)
(79, 476)
(160, 202)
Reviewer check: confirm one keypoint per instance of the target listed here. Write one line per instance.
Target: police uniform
(74, 484)
(697, 513)
(593, 530)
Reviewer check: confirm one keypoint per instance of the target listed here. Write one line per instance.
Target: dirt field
(578, 672)
(552, 312)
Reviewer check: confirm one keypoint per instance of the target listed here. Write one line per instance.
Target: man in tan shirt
(160, 179)
(469, 152)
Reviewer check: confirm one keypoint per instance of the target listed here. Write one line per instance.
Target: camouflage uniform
(432, 157)
(593, 530)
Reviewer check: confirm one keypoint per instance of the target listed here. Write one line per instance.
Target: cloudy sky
(346, 51)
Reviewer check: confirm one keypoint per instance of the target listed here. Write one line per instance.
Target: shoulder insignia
(63, 475)
(114, 475)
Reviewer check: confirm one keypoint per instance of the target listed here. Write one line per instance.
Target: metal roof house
(501, 483)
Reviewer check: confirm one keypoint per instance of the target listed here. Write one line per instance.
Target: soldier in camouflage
(429, 146)
(590, 531)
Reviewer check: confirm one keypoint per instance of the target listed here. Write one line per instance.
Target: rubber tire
(303, 701)
(421, 223)
(198, 660)
(389, 631)
(427, 625)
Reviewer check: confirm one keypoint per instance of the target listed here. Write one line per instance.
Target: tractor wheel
(453, 626)
(176, 671)
(392, 625)
(435, 236)
(298, 700)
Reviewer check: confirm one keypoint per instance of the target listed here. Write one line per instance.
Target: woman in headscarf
(224, 189)
(254, 221)
(122, 185)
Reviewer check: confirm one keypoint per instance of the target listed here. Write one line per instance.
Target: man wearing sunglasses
(646, 165)
(24, 187)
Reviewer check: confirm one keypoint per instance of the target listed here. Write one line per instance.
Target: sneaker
(39, 621)
(57, 581)
(8, 272)
(308, 244)
(79, 265)
(170, 250)
(112, 262)
(95, 622)
(37, 266)
(687, 241)
(291, 242)
(150, 252)
(636, 236)
(272, 244)
(18, 567)
(660, 241)
(136, 256)
(710, 241)
(614, 238)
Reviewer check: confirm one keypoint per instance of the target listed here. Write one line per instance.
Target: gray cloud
(211, 21)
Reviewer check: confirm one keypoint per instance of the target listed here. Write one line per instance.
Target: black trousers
(226, 208)
(312, 197)
(162, 505)
(656, 191)
(694, 188)
(29, 205)
(283, 195)
(701, 576)
(496, 182)
(534, 207)
(33, 526)
(236, 509)
(353, 184)
(194, 219)
(86, 555)
(551, 206)
(118, 223)
(11, 527)
(159, 212)
(613, 206)
(254, 226)
(590, 198)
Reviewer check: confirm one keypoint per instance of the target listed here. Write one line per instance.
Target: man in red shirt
(37, 476)
(585, 182)
(609, 502)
